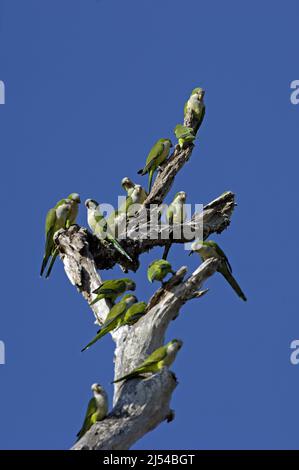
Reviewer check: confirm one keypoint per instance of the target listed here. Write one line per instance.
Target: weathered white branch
(214, 219)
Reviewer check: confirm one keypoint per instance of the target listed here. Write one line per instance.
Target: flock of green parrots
(128, 310)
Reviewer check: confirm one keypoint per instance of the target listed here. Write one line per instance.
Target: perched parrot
(74, 200)
(136, 197)
(128, 186)
(161, 357)
(175, 214)
(210, 249)
(99, 226)
(158, 270)
(111, 289)
(97, 409)
(114, 318)
(55, 220)
(118, 219)
(195, 107)
(157, 155)
(184, 134)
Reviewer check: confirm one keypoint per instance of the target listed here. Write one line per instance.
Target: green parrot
(175, 214)
(128, 186)
(136, 197)
(196, 107)
(74, 200)
(161, 357)
(97, 409)
(135, 312)
(158, 270)
(55, 220)
(114, 318)
(157, 155)
(184, 134)
(111, 289)
(210, 249)
(117, 221)
(99, 226)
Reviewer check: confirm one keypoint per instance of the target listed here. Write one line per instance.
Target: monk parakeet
(184, 134)
(195, 107)
(136, 197)
(97, 409)
(111, 289)
(55, 220)
(157, 155)
(74, 200)
(175, 214)
(210, 249)
(128, 186)
(118, 220)
(114, 318)
(99, 226)
(158, 270)
(161, 357)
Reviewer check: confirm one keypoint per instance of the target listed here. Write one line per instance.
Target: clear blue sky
(90, 86)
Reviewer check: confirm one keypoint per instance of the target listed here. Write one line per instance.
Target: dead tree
(140, 405)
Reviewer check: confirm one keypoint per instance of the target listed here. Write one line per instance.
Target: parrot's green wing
(219, 252)
(183, 132)
(151, 271)
(91, 409)
(110, 287)
(157, 356)
(59, 203)
(50, 221)
(154, 154)
(169, 214)
(49, 231)
(134, 313)
(117, 310)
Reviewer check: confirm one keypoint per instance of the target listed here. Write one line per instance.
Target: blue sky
(90, 86)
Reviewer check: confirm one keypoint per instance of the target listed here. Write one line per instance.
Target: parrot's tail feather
(52, 263)
(166, 251)
(150, 178)
(44, 264)
(232, 281)
(119, 248)
(98, 336)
